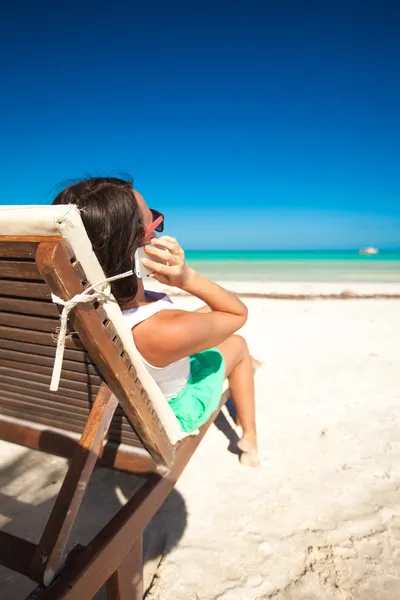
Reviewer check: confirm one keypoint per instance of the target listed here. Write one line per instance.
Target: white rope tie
(102, 295)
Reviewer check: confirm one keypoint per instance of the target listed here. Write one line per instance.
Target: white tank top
(172, 378)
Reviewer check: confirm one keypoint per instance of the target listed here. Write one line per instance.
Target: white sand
(299, 289)
(320, 520)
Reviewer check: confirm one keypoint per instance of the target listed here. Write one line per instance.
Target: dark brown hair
(114, 224)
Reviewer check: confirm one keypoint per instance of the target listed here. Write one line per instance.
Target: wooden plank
(41, 417)
(25, 289)
(73, 355)
(39, 386)
(127, 581)
(72, 366)
(29, 307)
(51, 548)
(73, 411)
(24, 403)
(16, 269)
(42, 380)
(47, 370)
(75, 408)
(16, 553)
(71, 424)
(38, 393)
(55, 267)
(18, 249)
(27, 322)
(39, 337)
(105, 553)
(29, 238)
(54, 440)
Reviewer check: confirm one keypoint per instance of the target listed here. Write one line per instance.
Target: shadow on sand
(30, 481)
(31, 474)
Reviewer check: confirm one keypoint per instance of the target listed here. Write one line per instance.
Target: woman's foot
(249, 456)
(250, 459)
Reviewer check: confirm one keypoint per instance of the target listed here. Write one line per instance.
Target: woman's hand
(175, 272)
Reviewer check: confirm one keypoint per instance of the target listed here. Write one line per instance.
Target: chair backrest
(31, 267)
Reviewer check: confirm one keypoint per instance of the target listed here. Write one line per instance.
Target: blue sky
(251, 124)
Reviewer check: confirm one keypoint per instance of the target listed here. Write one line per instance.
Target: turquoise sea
(309, 266)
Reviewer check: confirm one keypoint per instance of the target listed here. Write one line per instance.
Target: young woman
(188, 353)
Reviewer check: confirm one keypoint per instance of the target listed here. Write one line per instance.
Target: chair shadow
(31, 473)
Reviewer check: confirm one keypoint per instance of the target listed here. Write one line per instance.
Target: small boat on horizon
(369, 250)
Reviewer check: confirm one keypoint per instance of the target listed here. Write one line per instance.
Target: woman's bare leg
(240, 373)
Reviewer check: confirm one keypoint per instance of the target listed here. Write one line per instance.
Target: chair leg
(127, 581)
(50, 551)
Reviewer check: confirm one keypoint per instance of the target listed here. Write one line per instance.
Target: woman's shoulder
(157, 303)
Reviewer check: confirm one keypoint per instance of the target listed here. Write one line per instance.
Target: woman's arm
(215, 296)
(173, 334)
(203, 309)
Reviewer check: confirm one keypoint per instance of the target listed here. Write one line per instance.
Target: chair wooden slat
(75, 410)
(60, 412)
(23, 402)
(50, 398)
(41, 383)
(15, 334)
(18, 249)
(13, 269)
(12, 363)
(44, 358)
(42, 343)
(61, 442)
(73, 405)
(72, 425)
(115, 434)
(25, 289)
(35, 417)
(27, 322)
(26, 239)
(29, 307)
(42, 391)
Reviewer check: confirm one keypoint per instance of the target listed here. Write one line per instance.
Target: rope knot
(93, 292)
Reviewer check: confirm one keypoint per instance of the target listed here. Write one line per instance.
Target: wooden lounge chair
(107, 408)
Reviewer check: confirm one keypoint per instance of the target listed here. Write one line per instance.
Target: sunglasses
(157, 224)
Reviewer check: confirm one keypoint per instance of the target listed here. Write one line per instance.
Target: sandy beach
(319, 521)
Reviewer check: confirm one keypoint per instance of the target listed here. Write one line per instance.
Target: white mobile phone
(140, 270)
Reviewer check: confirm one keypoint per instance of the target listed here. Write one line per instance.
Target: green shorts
(200, 397)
